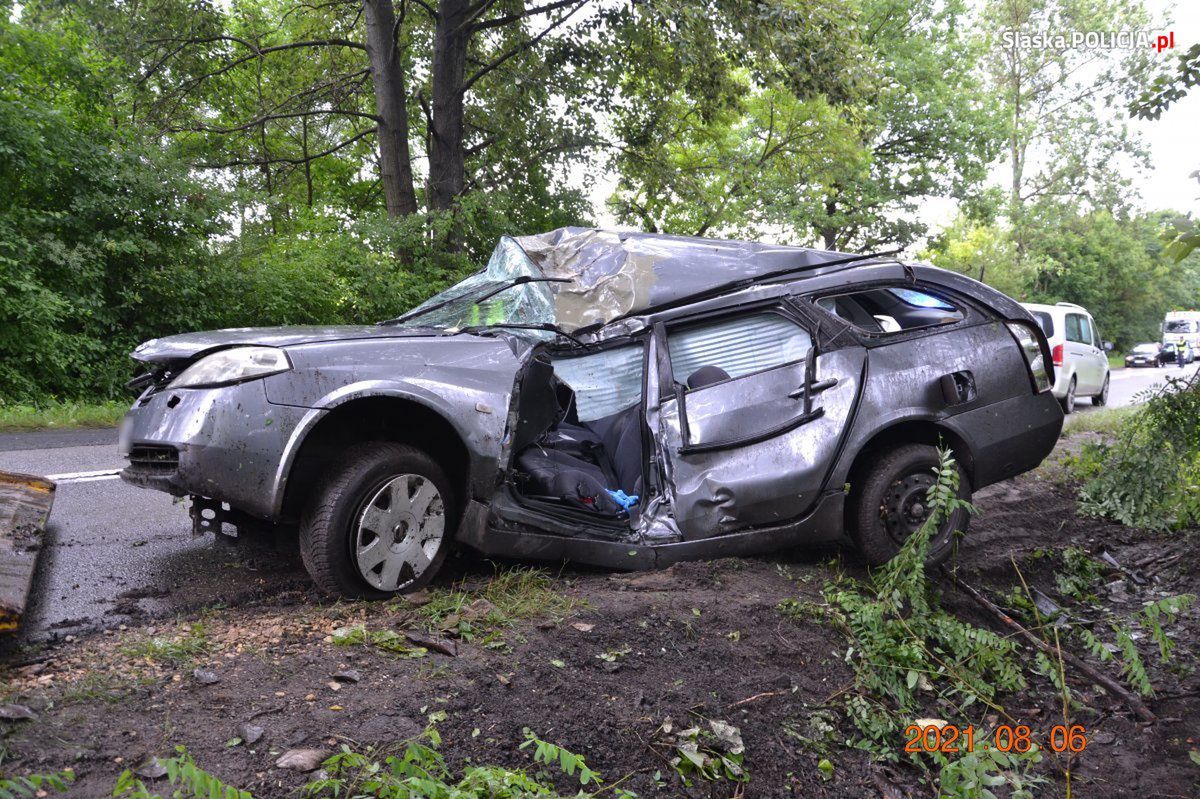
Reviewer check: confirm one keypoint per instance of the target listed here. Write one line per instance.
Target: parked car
(1080, 355)
(1147, 355)
(619, 399)
(1169, 354)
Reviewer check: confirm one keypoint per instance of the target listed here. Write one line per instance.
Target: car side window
(892, 309)
(604, 382)
(1075, 328)
(737, 347)
(1085, 327)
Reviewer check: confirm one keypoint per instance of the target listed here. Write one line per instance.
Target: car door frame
(806, 392)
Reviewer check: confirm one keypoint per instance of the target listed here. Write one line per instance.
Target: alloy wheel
(399, 532)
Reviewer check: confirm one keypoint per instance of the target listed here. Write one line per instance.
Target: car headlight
(233, 366)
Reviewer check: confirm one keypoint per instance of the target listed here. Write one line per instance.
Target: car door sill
(822, 524)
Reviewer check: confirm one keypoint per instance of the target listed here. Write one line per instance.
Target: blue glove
(621, 498)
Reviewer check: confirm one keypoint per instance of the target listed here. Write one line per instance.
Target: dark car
(621, 399)
(1149, 355)
(1169, 354)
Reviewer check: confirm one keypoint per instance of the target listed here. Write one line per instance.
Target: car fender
(483, 442)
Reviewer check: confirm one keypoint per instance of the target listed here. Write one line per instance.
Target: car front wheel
(379, 523)
(890, 503)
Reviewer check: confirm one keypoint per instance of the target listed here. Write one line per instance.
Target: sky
(1173, 142)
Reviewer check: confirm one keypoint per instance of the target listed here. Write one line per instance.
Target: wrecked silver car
(621, 399)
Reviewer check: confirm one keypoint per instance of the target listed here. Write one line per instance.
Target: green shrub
(1149, 476)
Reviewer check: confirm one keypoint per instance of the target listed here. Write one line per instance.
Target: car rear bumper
(1010, 437)
(226, 443)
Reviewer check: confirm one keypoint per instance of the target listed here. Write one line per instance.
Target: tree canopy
(181, 164)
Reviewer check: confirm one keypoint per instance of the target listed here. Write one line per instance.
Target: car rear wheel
(380, 522)
(1068, 402)
(891, 503)
(1101, 399)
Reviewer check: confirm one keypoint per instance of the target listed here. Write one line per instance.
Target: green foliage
(60, 415)
(388, 641)
(1113, 264)
(901, 642)
(192, 782)
(420, 772)
(513, 594)
(1149, 476)
(1079, 574)
(35, 785)
(181, 649)
(972, 775)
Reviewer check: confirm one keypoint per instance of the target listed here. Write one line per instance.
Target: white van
(1182, 328)
(1080, 355)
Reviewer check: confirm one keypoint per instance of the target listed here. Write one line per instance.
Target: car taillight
(1032, 350)
(1056, 355)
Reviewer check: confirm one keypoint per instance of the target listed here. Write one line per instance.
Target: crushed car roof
(616, 273)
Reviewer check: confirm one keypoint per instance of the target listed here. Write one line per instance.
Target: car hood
(186, 346)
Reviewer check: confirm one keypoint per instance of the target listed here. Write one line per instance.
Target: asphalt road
(116, 554)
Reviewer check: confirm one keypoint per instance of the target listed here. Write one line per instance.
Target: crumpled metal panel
(617, 273)
(767, 482)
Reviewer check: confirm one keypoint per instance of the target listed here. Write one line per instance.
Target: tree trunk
(829, 232)
(447, 158)
(395, 161)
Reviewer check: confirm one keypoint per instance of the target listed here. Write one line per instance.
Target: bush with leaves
(1149, 476)
(902, 641)
(904, 648)
(35, 784)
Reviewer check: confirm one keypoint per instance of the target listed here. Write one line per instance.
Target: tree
(928, 126)
(1064, 139)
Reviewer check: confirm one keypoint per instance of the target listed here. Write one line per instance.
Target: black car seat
(621, 436)
(559, 476)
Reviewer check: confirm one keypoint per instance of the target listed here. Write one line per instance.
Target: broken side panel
(755, 450)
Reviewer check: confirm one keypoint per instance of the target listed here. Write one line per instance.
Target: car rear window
(1045, 322)
(739, 346)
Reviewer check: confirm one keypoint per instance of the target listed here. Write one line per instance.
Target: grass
(514, 594)
(181, 649)
(1116, 360)
(60, 415)
(1101, 420)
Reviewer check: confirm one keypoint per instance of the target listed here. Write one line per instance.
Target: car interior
(582, 449)
(891, 310)
(580, 441)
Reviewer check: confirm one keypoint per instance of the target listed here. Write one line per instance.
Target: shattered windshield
(1180, 326)
(489, 297)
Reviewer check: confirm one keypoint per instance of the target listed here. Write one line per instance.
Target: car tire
(886, 503)
(1068, 402)
(356, 543)
(1101, 399)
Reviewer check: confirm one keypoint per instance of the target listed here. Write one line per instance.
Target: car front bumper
(227, 443)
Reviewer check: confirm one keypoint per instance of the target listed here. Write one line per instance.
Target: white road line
(84, 477)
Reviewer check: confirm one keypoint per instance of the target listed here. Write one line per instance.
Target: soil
(705, 642)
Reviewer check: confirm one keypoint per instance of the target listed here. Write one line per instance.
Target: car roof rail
(1071, 305)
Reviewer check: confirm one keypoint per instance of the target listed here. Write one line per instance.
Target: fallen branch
(1106, 682)
(750, 699)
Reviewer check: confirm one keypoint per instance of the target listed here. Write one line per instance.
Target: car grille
(153, 459)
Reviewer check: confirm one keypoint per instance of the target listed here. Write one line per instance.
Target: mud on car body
(620, 399)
